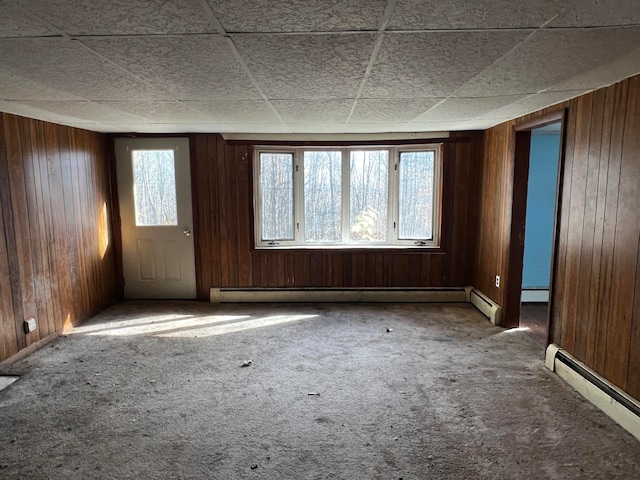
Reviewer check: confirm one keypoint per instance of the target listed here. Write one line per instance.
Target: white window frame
(393, 207)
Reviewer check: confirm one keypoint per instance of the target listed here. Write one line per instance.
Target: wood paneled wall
(596, 295)
(223, 229)
(56, 249)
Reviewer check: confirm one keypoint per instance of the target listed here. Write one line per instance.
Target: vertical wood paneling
(224, 222)
(596, 304)
(54, 191)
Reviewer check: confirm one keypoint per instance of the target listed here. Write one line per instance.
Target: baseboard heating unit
(488, 307)
(622, 408)
(347, 295)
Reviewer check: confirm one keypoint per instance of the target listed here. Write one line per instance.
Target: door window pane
(276, 187)
(415, 219)
(369, 191)
(154, 185)
(322, 196)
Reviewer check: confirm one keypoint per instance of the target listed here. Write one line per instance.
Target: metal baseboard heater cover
(331, 295)
(622, 408)
(488, 307)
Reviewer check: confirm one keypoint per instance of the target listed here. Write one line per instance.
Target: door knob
(187, 232)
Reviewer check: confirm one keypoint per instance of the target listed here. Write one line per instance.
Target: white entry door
(154, 191)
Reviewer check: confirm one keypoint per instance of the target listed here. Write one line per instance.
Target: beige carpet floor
(157, 390)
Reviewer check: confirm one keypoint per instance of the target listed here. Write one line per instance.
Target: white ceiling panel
(122, 17)
(460, 109)
(591, 13)
(186, 67)
(530, 104)
(371, 110)
(550, 57)
(15, 87)
(308, 16)
(255, 111)
(160, 111)
(463, 14)
(307, 111)
(83, 110)
(67, 66)
(17, 21)
(307, 66)
(422, 65)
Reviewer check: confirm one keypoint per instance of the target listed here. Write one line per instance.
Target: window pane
(322, 196)
(276, 186)
(369, 193)
(154, 187)
(415, 219)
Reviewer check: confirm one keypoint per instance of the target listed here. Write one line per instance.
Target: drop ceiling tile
(591, 13)
(160, 111)
(460, 109)
(69, 112)
(427, 65)
(14, 87)
(67, 66)
(604, 74)
(307, 67)
(463, 14)
(308, 111)
(122, 17)
(187, 67)
(393, 111)
(287, 16)
(550, 57)
(254, 111)
(531, 103)
(17, 21)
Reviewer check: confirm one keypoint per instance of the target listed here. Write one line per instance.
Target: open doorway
(542, 188)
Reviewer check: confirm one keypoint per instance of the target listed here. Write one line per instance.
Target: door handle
(187, 232)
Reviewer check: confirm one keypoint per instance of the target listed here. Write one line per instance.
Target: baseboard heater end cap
(214, 295)
(488, 307)
(550, 356)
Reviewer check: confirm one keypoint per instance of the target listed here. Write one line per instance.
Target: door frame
(521, 153)
(116, 222)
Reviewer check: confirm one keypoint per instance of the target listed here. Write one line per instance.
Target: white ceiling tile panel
(254, 111)
(550, 57)
(531, 104)
(589, 13)
(423, 65)
(307, 67)
(370, 110)
(290, 16)
(14, 87)
(160, 111)
(122, 17)
(463, 14)
(308, 111)
(17, 21)
(604, 73)
(67, 66)
(459, 109)
(187, 67)
(83, 110)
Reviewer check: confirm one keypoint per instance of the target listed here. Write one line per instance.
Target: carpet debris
(253, 467)
(389, 329)
(247, 363)
(315, 394)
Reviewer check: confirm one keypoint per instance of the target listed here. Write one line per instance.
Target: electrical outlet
(498, 281)
(29, 325)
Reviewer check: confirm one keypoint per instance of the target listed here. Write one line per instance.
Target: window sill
(431, 249)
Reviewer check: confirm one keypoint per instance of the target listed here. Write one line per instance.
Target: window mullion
(392, 221)
(298, 184)
(346, 196)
